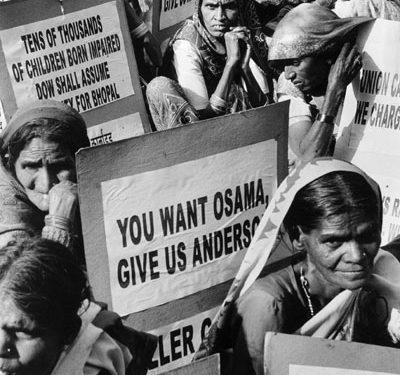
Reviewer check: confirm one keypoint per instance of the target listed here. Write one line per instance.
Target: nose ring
(8, 350)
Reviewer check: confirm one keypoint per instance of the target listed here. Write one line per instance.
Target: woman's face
(309, 74)
(218, 16)
(343, 248)
(41, 165)
(25, 348)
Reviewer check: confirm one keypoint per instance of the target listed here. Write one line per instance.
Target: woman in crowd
(337, 285)
(215, 59)
(48, 327)
(38, 193)
(316, 51)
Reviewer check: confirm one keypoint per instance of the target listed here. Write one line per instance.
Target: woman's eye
(334, 244)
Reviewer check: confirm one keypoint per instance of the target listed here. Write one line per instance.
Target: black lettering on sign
(232, 201)
(175, 219)
(138, 269)
(136, 227)
(175, 257)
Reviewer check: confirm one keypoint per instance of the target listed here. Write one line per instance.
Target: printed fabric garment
(168, 105)
(104, 346)
(331, 321)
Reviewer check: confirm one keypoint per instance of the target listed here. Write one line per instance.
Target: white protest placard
(115, 130)
(170, 214)
(317, 370)
(178, 342)
(369, 134)
(78, 58)
(191, 221)
(175, 11)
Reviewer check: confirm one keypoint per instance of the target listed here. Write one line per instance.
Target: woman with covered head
(315, 49)
(38, 193)
(216, 61)
(47, 325)
(336, 284)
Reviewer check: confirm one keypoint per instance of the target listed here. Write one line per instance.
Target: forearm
(225, 82)
(317, 140)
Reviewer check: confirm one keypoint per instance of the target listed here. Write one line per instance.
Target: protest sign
(178, 341)
(167, 218)
(83, 57)
(205, 366)
(369, 134)
(175, 210)
(301, 355)
(168, 16)
(175, 11)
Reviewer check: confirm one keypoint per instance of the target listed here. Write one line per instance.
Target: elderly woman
(216, 60)
(46, 325)
(337, 284)
(38, 193)
(316, 51)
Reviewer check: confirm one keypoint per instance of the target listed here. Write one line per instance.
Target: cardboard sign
(175, 11)
(206, 366)
(300, 355)
(178, 342)
(83, 57)
(176, 210)
(369, 134)
(317, 370)
(168, 16)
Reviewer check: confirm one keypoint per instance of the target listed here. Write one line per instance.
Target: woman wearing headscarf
(316, 51)
(49, 327)
(38, 192)
(336, 284)
(216, 63)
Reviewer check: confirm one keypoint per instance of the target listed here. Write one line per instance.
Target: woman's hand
(346, 67)
(235, 40)
(63, 200)
(342, 72)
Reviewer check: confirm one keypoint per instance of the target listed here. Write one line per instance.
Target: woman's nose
(220, 15)
(290, 74)
(355, 252)
(44, 180)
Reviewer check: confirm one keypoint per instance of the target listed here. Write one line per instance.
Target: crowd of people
(325, 219)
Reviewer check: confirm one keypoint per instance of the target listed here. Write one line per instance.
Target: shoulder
(188, 32)
(117, 342)
(269, 293)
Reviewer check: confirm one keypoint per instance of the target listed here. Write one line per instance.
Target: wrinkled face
(309, 74)
(218, 16)
(40, 166)
(343, 249)
(25, 348)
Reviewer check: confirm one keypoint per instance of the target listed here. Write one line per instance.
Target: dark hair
(70, 136)
(335, 193)
(45, 282)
